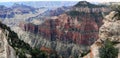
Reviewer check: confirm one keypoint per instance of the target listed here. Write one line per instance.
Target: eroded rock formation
(109, 30)
(79, 25)
(69, 34)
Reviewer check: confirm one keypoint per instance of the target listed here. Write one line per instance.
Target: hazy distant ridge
(42, 3)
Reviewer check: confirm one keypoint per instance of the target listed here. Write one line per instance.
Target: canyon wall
(110, 30)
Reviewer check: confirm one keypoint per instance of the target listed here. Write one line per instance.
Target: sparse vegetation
(85, 53)
(20, 46)
(73, 13)
(117, 9)
(108, 50)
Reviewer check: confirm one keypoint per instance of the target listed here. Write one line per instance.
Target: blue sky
(63, 0)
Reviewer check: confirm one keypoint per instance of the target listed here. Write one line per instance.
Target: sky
(100, 1)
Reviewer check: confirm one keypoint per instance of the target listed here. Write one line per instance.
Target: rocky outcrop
(108, 31)
(6, 51)
(13, 47)
(94, 50)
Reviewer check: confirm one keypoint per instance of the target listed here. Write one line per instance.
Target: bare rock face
(109, 30)
(6, 51)
(66, 28)
(94, 50)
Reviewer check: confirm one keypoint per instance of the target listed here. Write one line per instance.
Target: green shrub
(117, 9)
(108, 50)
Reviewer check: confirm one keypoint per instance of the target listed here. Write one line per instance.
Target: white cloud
(62, 0)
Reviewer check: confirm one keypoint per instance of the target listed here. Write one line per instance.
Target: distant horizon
(41, 3)
(97, 1)
(9, 3)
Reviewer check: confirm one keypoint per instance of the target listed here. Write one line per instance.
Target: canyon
(76, 29)
(76, 26)
(64, 32)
